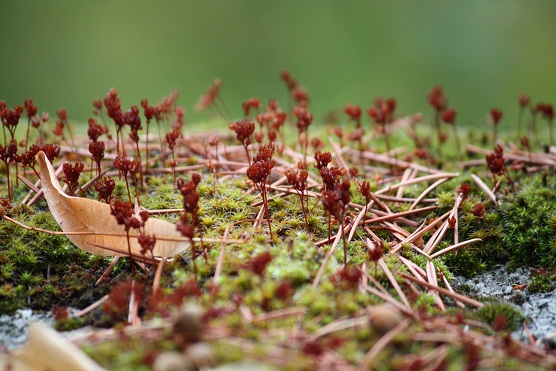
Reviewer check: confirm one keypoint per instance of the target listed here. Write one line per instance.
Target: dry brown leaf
(76, 214)
(48, 350)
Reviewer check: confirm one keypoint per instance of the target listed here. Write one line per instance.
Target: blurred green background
(484, 53)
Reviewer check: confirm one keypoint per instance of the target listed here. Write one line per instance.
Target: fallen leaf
(76, 214)
(48, 350)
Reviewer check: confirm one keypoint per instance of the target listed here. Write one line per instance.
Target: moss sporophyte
(225, 245)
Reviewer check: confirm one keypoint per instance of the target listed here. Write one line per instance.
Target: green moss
(426, 303)
(40, 271)
(493, 310)
(541, 281)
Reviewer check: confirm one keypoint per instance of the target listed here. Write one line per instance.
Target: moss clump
(493, 311)
(41, 271)
(528, 220)
(520, 231)
(541, 280)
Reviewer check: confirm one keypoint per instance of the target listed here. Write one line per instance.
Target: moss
(541, 280)
(42, 271)
(493, 310)
(426, 303)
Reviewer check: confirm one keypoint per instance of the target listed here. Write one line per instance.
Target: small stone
(201, 354)
(188, 324)
(384, 318)
(170, 361)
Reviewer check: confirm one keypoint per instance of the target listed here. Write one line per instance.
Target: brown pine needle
(220, 262)
(382, 343)
(449, 287)
(426, 192)
(433, 281)
(394, 283)
(96, 304)
(444, 291)
(397, 215)
(456, 246)
(425, 178)
(279, 313)
(485, 188)
(328, 255)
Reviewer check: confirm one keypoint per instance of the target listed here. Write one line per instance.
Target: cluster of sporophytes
(296, 240)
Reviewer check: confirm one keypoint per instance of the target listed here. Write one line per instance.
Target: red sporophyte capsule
(97, 152)
(10, 117)
(449, 116)
(353, 172)
(243, 129)
(322, 159)
(300, 95)
(524, 100)
(437, 99)
(127, 165)
(179, 121)
(210, 96)
(123, 212)
(248, 104)
(478, 210)
(391, 104)
(62, 114)
(172, 137)
(149, 112)
(104, 187)
(382, 110)
(317, 143)
(71, 173)
(113, 107)
(284, 291)
(547, 110)
(189, 192)
(30, 108)
(95, 130)
(349, 276)
(495, 115)
(97, 103)
(8, 153)
(146, 242)
(259, 263)
(377, 251)
(289, 80)
(304, 118)
(51, 151)
(525, 142)
(353, 111)
(463, 189)
(495, 161)
(36, 121)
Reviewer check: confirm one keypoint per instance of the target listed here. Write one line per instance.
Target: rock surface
(538, 308)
